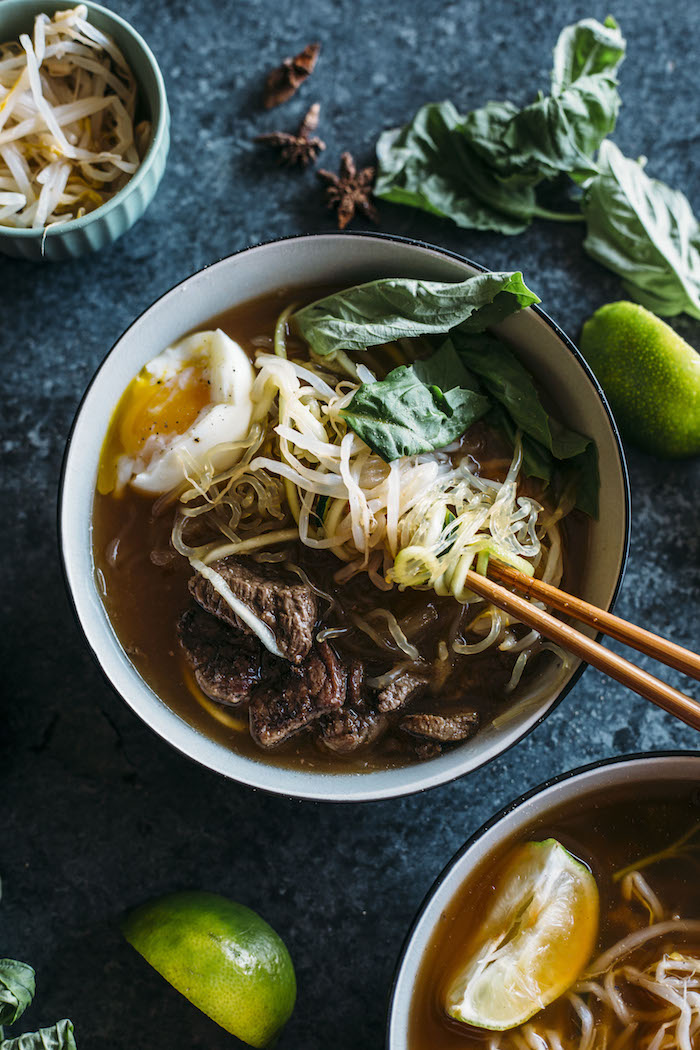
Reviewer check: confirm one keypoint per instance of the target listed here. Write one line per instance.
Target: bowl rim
(631, 760)
(156, 143)
(324, 791)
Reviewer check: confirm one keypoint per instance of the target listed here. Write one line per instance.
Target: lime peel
(220, 955)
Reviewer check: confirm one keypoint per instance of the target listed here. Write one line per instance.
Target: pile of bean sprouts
(67, 110)
(420, 521)
(641, 994)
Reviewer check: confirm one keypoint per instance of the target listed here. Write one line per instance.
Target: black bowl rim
(506, 810)
(570, 346)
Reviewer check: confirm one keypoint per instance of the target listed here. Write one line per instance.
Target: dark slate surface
(97, 814)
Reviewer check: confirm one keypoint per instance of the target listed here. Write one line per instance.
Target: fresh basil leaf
(417, 408)
(537, 461)
(17, 987)
(646, 232)
(430, 164)
(580, 472)
(509, 383)
(585, 49)
(517, 407)
(583, 471)
(399, 308)
(563, 131)
(445, 370)
(58, 1037)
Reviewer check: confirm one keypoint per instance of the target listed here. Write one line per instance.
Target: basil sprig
(481, 170)
(58, 1037)
(646, 232)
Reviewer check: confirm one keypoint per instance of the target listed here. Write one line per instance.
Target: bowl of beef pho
(569, 922)
(276, 483)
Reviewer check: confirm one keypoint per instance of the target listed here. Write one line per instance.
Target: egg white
(161, 464)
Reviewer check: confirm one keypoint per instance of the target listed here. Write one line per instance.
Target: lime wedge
(222, 956)
(537, 935)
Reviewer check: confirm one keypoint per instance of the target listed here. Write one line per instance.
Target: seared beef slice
(442, 729)
(349, 729)
(285, 604)
(400, 691)
(302, 694)
(226, 663)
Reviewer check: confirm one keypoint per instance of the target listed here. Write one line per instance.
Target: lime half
(221, 956)
(536, 937)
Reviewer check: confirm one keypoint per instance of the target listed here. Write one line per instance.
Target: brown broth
(607, 835)
(145, 600)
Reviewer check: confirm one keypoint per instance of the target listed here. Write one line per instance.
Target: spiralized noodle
(67, 112)
(421, 521)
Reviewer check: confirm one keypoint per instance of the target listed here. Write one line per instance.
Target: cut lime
(536, 937)
(221, 956)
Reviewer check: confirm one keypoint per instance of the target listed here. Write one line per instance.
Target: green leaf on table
(417, 408)
(646, 232)
(481, 170)
(587, 48)
(58, 1037)
(561, 132)
(17, 987)
(430, 164)
(400, 308)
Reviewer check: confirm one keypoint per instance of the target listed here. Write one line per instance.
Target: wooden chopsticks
(585, 648)
(636, 637)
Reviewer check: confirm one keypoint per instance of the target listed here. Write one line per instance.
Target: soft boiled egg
(185, 407)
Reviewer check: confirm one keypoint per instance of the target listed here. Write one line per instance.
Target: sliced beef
(350, 728)
(404, 688)
(297, 697)
(288, 606)
(226, 663)
(441, 729)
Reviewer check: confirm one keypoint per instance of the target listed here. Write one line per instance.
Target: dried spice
(283, 81)
(350, 191)
(301, 148)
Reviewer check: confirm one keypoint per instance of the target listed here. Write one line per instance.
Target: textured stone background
(96, 813)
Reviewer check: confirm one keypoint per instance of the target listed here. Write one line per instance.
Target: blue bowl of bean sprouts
(84, 128)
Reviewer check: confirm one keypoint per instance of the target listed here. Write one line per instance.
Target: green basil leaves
(17, 987)
(417, 408)
(400, 308)
(58, 1037)
(481, 170)
(469, 376)
(646, 232)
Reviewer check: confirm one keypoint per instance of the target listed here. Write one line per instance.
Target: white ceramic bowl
(343, 259)
(635, 771)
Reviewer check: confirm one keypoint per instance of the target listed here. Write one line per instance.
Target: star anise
(300, 148)
(350, 191)
(283, 81)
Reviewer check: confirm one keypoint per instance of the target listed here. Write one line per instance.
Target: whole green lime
(221, 956)
(650, 375)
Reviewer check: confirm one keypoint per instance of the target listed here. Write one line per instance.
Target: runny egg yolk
(152, 407)
(161, 407)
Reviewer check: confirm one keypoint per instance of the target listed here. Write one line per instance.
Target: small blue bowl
(102, 226)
